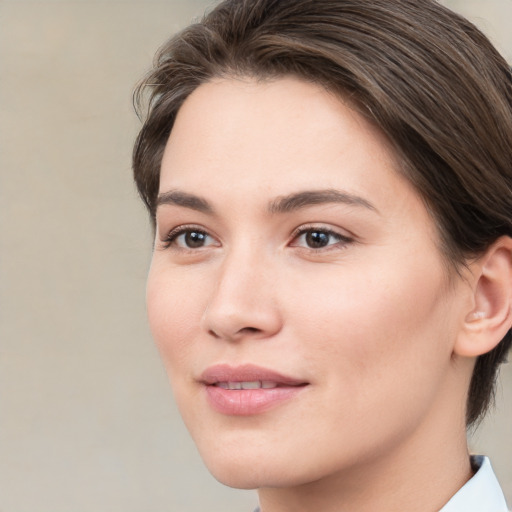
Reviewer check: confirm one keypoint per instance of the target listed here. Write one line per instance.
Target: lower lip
(246, 402)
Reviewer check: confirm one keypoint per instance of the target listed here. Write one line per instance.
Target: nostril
(240, 332)
(249, 330)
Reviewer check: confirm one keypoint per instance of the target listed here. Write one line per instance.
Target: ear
(491, 315)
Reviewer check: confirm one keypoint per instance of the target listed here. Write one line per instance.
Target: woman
(331, 284)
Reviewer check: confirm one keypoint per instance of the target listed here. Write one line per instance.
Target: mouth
(248, 390)
(255, 384)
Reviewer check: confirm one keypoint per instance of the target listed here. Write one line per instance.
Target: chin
(245, 479)
(250, 476)
(258, 464)
(245, 464)
(237, 468)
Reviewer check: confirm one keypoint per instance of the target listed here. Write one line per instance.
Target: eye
(185, 237)
(319, 238)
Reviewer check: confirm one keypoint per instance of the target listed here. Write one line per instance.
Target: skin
(369, 321)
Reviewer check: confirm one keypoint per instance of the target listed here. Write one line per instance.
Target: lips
(248, 389)
(257, 384)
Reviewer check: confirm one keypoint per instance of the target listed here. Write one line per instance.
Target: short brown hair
(427, 77)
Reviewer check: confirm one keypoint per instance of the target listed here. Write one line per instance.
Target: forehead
(241, 145)
(245, 133)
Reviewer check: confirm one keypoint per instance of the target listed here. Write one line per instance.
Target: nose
(243, 303)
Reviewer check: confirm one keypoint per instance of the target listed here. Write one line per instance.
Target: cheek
(379, 333)
(378, 347)
(174, 311)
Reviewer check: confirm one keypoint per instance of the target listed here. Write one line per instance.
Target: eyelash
(343, 240)
(174, 234)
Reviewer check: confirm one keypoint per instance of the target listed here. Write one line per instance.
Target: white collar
(482, 492)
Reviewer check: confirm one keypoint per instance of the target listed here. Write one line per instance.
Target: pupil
(316, 239)
(194, 239)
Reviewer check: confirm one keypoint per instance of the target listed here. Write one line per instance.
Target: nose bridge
(243, 301)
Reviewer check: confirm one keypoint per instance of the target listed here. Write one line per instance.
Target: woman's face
(296, 292)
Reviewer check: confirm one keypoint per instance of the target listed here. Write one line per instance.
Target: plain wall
(87, 420)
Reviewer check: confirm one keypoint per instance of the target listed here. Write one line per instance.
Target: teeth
(256, 384)
(251, 385)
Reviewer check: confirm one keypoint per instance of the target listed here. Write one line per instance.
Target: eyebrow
(179, 198)
(307, 198)
(283, 204)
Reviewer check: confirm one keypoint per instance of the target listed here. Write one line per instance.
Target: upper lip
(246, 373)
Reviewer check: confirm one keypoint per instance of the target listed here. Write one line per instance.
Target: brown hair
(427, 77)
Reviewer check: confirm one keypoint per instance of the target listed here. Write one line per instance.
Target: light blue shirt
(480, 494)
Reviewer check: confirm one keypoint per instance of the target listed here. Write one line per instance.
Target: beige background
(87, 419)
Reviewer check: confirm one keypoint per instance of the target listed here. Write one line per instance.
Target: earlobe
(475, 315)
(491, 316)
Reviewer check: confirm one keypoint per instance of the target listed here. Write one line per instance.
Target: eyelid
(304, 228)
(171, 236)
(343, 236)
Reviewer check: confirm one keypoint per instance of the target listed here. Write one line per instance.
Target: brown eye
(317, 239)
(194, 239)
(189, 238)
